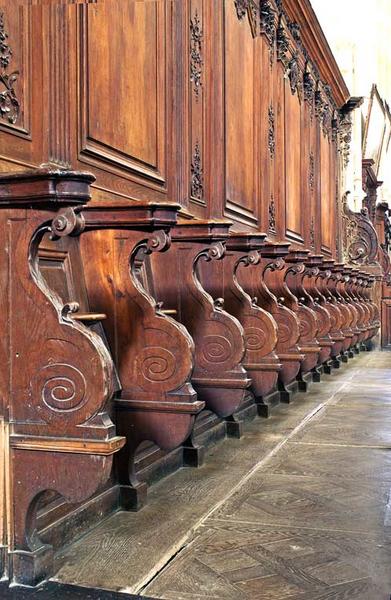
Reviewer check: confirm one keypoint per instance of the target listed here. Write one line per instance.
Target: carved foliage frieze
(196, 62)
(282, 42)
(9, 103)
(267, 18)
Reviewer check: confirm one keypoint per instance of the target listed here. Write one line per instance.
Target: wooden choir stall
(177, 253)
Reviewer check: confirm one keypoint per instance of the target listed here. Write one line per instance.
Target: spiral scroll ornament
(156, 365)
(158, 242)
(216, 349)
(68, 222)
(61, 389)
(276, 265)
(255, 338)
(305, 327)
(215, 251)
(284, 329)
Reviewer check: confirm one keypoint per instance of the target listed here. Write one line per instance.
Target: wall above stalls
(230, 108)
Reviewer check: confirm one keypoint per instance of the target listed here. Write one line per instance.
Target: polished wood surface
(206, 268)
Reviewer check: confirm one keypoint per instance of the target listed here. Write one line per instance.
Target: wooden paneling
(293, 141)
(241, 102)
(21, 116)
(326, 193)
(123, 86)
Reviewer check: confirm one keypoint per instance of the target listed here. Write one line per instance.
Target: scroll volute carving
(59, 374)
(154, 354)
(335, 283)
(307, 318)
(260, 329)
(352, 288)
(373, 321)
(360, 283)
(316, 301)
(343, 288)
(269, 288)
(331, 305)
(360, 241)
(219, 376)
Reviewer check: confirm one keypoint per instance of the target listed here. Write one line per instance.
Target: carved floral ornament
(9, 103)
(196, 62)
(197, 176)
(272, 216)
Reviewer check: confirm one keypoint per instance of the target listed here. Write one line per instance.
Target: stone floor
(300, 508)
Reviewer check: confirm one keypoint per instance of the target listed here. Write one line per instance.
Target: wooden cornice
(318, 48)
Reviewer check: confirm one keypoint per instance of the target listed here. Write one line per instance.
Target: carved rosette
(9, 103)
(196, 62)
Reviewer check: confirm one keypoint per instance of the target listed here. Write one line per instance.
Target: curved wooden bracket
(267, 284)
(260, 329)
(219, 376)
(58, 372)
(154, 354)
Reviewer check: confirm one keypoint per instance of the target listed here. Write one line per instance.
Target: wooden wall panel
(123, 86)
(267, 115)
(325, 194)
(293, 175)
(22, 118)
(241, 100)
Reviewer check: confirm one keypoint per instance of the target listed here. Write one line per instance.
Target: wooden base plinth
(133, 497)
(265, 405)
(287, 392)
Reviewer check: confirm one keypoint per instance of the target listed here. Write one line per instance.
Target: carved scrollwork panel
(360, 241)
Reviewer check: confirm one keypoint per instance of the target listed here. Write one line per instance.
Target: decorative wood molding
(68, 445)
(267, 18)
(59, 101)
(282, 42)
(312, 233)
(311, 172)
(9, 103)
(196, 61)
(197, 177)
(272, 216)
(271, 132)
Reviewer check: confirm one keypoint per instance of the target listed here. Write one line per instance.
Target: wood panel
(293, 179)
(22, 143)
(123, 86)
(326, 193)
(241, 94)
